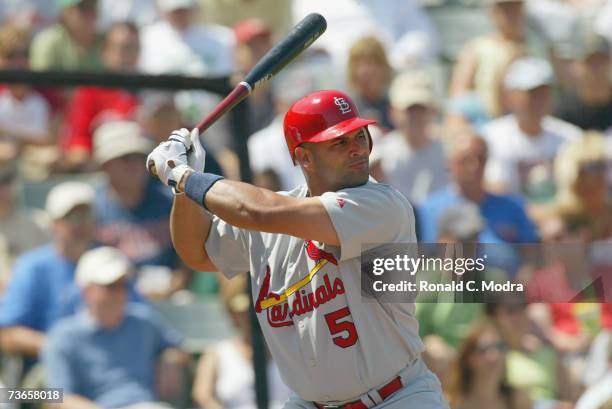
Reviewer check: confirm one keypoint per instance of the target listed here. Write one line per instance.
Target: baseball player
(303, 249)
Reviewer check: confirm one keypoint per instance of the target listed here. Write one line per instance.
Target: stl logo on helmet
(343, 105)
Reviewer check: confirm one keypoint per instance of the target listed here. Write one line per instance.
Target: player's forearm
(189, 228)
(247, 206)
(21, 340)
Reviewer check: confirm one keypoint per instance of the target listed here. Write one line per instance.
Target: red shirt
(89, 108)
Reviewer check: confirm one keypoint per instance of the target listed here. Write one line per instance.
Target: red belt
(384, 392)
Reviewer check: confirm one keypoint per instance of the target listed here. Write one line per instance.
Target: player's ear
(303, 157)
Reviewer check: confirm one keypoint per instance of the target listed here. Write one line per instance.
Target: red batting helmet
(321, 116)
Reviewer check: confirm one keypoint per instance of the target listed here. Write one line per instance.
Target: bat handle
(240, 92)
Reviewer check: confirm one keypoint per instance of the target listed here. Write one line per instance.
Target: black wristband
(198, 184)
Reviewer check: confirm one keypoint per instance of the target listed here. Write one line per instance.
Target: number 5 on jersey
(348, 333)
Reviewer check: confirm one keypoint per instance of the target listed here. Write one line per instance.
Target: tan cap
(411, 88)
(103, 266)
(66, 196)
(119, 138)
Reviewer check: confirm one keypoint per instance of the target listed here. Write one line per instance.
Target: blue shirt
(113, 367)
(506, 220)
(40, 284)
(42, 290)
(142, 233)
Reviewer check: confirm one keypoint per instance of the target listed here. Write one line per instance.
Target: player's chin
(357, 178)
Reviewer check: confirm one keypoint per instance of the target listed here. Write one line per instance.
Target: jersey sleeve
(368, 216)
(227, 246)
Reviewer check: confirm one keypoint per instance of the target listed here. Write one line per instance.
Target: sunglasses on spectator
(487, 347)
(594, 167)
(117, 285)
(79, 216)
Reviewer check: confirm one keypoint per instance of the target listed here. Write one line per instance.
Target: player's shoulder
(375, 192)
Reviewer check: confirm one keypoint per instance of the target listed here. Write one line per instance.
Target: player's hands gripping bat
(300, 38)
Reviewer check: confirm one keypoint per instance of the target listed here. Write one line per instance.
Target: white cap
(66, 196)
(411, 88)
(170, 5)
(118, 138)
(102, 265)
(528, 73)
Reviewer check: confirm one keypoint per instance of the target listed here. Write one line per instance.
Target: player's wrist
(180, 188)
(197, 185)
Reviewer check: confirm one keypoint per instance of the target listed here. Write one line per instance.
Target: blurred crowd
(503, 137)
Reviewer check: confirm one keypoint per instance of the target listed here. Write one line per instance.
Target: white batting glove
(196, 157)
(169, 161)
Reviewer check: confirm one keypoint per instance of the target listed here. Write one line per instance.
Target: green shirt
(54, 49)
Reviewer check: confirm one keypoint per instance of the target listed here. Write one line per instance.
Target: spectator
(225, 377)
(444, 322)
(478, 378)
(589, 105)
(91, 106)
(582, 197)
(369, 76)
(523, 144)
(601, 392)
(72, 43)
(137, 12)
(176, 44)
(483, 61)
(275, 14)
(21, 229)
(28, 14)
(41, 279)
(158, 115)
(105, 356)
(531, 363)
(253, 40)
(402, 26)
(411, 157)
(505, 218)
(132, 210)
(24, 114)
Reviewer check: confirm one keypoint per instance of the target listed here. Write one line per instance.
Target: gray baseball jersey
(328, 344)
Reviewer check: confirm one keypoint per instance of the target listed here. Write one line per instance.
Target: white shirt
(328, 343)
(415, 173)
(267, 150)
(513, 154)
(199, 50)
(603, 22)
(139, 12)
(29, 116)
(235, 385)
(597, 395)
(394, 22)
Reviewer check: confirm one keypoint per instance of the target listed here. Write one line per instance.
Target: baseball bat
(281, 54)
